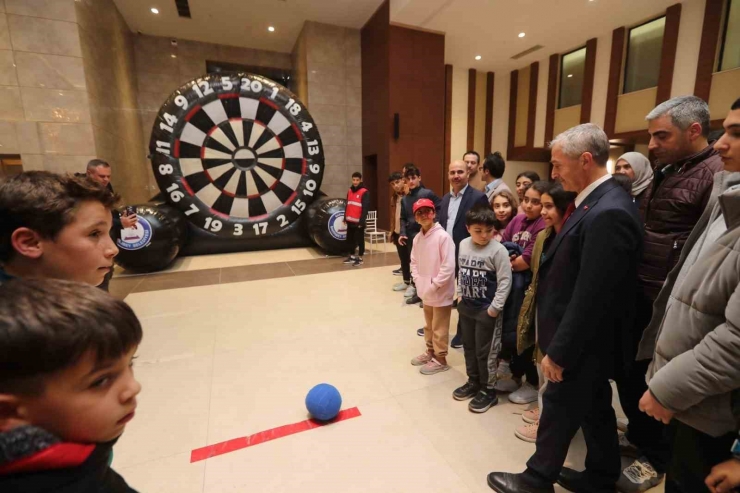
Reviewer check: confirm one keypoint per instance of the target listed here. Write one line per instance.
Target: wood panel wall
(376, 124)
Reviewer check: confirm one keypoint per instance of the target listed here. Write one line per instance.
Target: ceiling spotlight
(173, 55)
(478, 57)
(155, 10)
(521, 35)
(271, 29)
(570, 75)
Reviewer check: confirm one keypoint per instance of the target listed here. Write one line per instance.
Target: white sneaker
(401, 286)
(509, 385)
(524, 395)
(410, 292)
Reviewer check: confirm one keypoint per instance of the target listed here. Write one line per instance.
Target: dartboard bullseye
(238, 154)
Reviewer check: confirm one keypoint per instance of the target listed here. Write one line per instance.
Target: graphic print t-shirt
(484, 278)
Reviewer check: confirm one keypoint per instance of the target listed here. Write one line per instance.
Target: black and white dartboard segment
(241, 158)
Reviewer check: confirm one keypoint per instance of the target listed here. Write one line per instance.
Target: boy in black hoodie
(355, 215)
(67, 387)
(409, 227)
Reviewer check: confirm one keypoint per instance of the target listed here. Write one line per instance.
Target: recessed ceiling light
(271, 29)
(478, 57)
(173, 55)
(155, 10)
(570, 75)
(521, 35)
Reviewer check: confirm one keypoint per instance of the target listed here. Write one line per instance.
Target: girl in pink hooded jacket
(433, 270)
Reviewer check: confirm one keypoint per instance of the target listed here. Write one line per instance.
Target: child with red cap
(433, 270)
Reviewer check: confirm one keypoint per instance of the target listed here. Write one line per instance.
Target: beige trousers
(437, 329)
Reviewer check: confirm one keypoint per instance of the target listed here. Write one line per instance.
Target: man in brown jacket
(684, 174)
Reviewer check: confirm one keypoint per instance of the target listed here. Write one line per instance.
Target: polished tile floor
(235, 355)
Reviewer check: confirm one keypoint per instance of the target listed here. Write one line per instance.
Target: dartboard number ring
(238, 154)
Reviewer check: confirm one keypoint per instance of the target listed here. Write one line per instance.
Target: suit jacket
(470, 198)
(588, 281)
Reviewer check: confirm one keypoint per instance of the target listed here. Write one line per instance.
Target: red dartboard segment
(185, 185)
(268, 103)
(192, 112)
(297, 132)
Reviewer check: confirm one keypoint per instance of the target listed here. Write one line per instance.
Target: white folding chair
(371, 231)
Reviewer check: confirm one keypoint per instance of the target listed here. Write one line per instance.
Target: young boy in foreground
(67, 387)
(55, 226)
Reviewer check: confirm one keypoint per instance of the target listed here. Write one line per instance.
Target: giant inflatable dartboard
(238, 154)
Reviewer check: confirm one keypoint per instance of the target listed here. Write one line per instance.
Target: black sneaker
(349, 260)
(456, 341)
(484, 401)
(420, 332)
(413, 300)
(467, 391)
(358, 262)
(397, 272)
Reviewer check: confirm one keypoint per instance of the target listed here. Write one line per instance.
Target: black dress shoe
(578, 482)
(504, 482)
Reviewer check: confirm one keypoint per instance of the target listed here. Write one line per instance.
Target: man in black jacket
(452, 210)
(409, 227)
(580, 323)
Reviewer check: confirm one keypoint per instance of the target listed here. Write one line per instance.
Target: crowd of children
(67, 389)
(487, 280)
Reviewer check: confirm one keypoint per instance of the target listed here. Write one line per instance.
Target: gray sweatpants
(481, 337)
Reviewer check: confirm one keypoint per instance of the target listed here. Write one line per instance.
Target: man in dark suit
(452, 210)
(458, 202)
(587, 283)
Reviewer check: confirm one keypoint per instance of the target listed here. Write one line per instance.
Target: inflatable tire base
(204, 243)
(238, 154)
(156, 240)
(326, 226)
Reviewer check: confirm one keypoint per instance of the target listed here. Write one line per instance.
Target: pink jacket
(433, 266)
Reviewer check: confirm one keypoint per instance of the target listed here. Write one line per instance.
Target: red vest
(354, 206)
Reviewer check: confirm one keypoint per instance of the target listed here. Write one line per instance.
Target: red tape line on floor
(222, 448)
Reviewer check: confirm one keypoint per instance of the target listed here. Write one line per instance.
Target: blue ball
(324, 402)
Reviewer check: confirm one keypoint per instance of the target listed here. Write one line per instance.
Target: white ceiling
(244, 22)
(490, 28)
(472, 27)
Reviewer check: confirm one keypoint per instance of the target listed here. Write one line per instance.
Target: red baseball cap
(423, 203)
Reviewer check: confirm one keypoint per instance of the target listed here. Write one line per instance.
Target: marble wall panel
(44, 35)
(50, 71)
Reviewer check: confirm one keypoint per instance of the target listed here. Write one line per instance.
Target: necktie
(569, 211)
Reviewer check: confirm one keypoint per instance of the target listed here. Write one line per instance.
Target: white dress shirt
(587, 191)
(453, 208)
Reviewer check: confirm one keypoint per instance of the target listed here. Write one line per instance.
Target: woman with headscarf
(637, 168)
